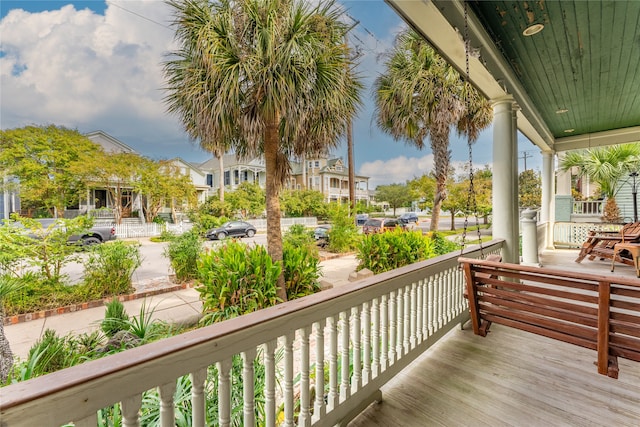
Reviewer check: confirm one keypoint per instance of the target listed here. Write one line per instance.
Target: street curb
(27, 317)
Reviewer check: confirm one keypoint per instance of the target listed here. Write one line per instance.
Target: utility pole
(352, 175)
(525, 156)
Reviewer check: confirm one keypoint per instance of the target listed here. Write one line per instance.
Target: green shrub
(301, 270)
(298, 235)
(235, 279)
(387, 251)
(183, 253)
(115, 318)
(343, 236)
(109, 268)
(442, 245)
(48, 354)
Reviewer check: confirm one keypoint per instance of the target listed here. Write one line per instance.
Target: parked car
(361, 219)
(231, 229)
(409, 217)
(321, 234)
(378, 225)
(93, 236)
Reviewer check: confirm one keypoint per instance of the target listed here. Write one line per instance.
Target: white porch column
(548, 197)
(515, 173)
(505, 156)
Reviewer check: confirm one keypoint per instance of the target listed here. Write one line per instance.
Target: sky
(96, 65)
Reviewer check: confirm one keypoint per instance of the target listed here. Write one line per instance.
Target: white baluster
(333, 363)
(420, 319)
(130, 411)
(345, 381)
(400, 323)
(375, 338)
(304, 419)
(288, 379)
(440, 301)
(392, 327)
(319, 410)
(384, 326)
(270, 383)
(248, 387)
(198, 401)
(167, 417)
(414, 315)
(366, 343)
(356, 383)
(430, 307)
(449, 296)
(224, 392)
(406, 311)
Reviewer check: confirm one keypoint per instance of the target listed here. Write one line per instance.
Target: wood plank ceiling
(586, 59)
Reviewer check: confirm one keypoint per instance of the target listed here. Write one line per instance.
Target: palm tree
(271, 77)
(605, 166)
(420, 95)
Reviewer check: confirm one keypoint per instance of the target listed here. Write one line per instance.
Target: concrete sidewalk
(177, 307)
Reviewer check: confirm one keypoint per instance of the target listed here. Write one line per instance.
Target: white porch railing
(574, 234)
(376, 326)
(588, 207)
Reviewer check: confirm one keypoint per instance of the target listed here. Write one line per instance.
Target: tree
(248, 199)
(605, 166)
(420, 95)
(529, 189)
(423, 189)
(44, 159)
(300, 203)
(271, 77)
(161, 183)
(117, 173)
(457, 199)
(396, 195)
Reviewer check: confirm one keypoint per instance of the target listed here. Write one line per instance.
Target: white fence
(359, 335)
(574, 234)
(124, 231)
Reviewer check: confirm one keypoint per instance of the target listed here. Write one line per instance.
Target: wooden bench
(596, 312)
(600, 244)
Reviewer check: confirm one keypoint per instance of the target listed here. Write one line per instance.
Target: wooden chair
(600, 244)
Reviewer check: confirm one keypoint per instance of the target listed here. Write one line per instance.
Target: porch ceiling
(585, 61)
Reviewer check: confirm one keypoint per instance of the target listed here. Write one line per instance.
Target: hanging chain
(471, 195)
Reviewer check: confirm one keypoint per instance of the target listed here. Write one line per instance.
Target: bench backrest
(597, 312)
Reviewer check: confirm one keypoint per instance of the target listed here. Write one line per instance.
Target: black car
(321, 234)
(231, 229)
(409, 217)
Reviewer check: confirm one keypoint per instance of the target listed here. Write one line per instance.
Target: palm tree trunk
(441, 155)
(6, 356)
(272, 190)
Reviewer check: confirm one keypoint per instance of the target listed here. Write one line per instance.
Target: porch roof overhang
(584, 61)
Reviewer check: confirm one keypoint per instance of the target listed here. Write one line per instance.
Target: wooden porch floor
(510, 378)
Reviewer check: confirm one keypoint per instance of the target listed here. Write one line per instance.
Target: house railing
(588, 207)
(360, 335)
(574, 234)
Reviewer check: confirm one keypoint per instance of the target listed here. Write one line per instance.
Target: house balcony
(394, 339)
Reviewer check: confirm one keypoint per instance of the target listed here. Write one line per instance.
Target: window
(227, 177)
(317, 163)
(210, 180)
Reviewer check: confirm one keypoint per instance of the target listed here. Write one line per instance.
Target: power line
(525, 156)
(138, 15)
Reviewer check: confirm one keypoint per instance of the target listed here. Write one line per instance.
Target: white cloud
(396, 170)
(399, 170)
(89, 71)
